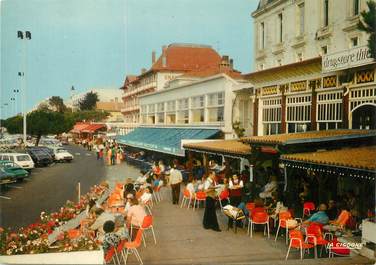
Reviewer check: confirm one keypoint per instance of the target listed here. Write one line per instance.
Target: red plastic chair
(307, 208)
(314, 236)
(147, 224)
(133, 246)
(224, 195)
(110, 256)
(187, 197)
(120, 249)
(296, 241)
(74, 233)
(261, 218)
(199, 197)
(283, 222)
(250, 206)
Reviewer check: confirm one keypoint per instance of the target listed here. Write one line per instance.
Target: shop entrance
(364, 117)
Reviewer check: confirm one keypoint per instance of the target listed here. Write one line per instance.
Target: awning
(78, 127)
(231, 148)
(358, 161)
(164, 140)
(93, 128)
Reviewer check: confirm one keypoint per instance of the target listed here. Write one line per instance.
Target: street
(48, 188)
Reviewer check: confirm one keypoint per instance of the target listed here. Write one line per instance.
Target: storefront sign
(346, 59)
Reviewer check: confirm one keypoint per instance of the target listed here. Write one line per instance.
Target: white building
(104, 95)
(175, 60)
(300, 79)
(197, 105)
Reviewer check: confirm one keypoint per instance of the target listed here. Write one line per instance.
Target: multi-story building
(313, 69)
(175, 60)
(199, 104)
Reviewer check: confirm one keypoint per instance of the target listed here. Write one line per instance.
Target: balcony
(130, 109)
(139, 89)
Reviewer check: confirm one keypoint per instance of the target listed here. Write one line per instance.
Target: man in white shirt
(175, 180)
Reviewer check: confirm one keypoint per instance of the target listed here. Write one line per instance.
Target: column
(345, 108)
(255, 116)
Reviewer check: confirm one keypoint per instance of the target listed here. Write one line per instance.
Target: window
(329, 110)
(183, 113)
(151, 114)
(160, 113)
(355, 7)
(170, 112)
(326, 13)
(262, 36)
(197, 109)
(216, 104)
(280, 22)
(301, 19)
(354, 42)
(298, 111)
(271, 116)
(324, 50)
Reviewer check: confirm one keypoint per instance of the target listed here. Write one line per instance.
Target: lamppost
(14, 101)
(16, 91)
(24, 36)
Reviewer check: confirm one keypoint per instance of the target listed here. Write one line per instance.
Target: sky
(96, 43)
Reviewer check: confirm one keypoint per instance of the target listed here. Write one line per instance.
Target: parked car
(45, 149)
(13, 169)
(6, 178)
(40, 157)
(61, 154)
(21, 159)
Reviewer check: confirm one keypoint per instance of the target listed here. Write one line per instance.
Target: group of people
(122, 215)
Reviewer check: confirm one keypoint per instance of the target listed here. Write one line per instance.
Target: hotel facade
(313, 67)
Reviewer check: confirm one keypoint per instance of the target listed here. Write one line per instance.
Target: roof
(79, 126)
(309, 137)
(222, 146)
(186, 57)
(206, 72)
(356, 158)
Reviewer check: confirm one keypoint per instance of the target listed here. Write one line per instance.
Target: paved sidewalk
(182, 240)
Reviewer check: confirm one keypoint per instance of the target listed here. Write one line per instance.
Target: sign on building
(346, 59)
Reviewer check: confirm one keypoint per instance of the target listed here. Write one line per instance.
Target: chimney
(225, 64)
(231, 64)
(143, 70)
(164, 56)
(153, 57)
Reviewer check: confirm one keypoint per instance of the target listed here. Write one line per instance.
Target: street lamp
(13, 100)
(24, 36)
(16, 91)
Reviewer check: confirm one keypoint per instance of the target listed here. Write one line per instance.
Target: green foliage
(13, 124)
(238, 129)
(368, 25)
(89, 101)
(57, 103)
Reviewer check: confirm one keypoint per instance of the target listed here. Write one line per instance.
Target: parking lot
(48, 188)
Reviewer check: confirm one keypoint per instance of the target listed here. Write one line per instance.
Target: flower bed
(33, 239)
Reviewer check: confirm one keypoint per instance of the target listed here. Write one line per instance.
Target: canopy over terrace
(313, 140)
(164, 140)
(356, 162)
(229, 148)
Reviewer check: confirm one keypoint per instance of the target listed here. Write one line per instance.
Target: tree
(368, 25)
(39, 122)
(57, 104)
(89, 101)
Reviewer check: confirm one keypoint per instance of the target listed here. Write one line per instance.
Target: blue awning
(164, 140)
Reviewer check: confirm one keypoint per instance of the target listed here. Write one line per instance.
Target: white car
(21, 159)
(62, 154)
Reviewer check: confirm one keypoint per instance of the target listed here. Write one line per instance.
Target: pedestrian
(210, 216)
(175, 180)
(109, 154)
(113, 155)
(96, 149)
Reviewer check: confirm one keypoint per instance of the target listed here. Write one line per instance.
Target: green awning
(164, 140)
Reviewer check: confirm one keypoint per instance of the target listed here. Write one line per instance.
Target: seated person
(142, 179)
(135, 214)
(269, 188)
(319, 217)
(147, 195)
(332, 211)
(191, 187)
(110, 238)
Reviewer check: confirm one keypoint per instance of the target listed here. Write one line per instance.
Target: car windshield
(23, 158)
(61, 151)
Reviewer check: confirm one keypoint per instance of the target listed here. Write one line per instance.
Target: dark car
(13, 169)
(40, 157)
(46, 149)
(6, 178)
